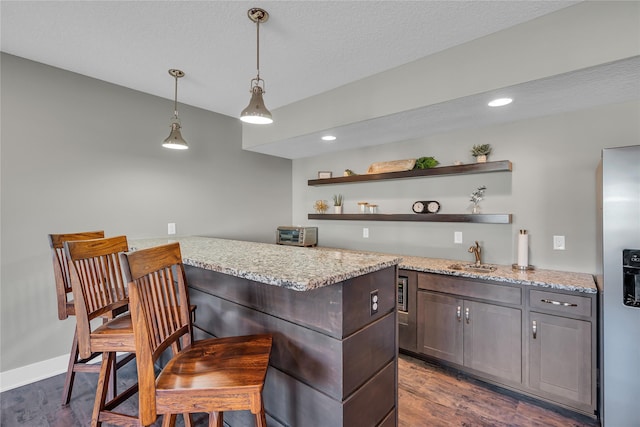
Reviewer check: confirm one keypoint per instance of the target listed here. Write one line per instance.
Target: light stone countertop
(560, 280)
(552, 279)
(296, 268)
(304, 269)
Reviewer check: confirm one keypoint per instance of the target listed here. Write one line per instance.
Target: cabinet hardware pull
(534, 327)
(466, 314)
(459, 313)
(564, 304)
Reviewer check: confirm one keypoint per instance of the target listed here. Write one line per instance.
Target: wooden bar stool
(99, 289)
(211, 375)
(66, 307)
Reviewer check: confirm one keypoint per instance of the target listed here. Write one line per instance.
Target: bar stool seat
(116, 334)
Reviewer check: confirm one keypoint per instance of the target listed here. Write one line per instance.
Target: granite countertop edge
(312, 268)
(292, 284)
(550, 279)
(290, 267)
(498, 278)
(542, 278)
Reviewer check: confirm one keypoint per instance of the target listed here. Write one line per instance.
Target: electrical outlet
(558, 243)
(373, 302)
(365, 233)
(171, 228)
(457, 237)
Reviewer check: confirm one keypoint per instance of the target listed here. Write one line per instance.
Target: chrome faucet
(476, 250)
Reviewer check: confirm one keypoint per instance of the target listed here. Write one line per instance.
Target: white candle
(523, 249)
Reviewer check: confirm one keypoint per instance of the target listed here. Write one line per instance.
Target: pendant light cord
(258, 49)
(175, 99)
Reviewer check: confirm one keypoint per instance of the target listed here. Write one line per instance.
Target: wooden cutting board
(392, 166)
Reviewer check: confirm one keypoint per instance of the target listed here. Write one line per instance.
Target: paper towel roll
(523, 249)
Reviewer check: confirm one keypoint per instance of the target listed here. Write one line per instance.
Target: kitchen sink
(482, 268)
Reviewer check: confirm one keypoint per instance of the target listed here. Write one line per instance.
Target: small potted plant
(480, 152)
(337, 203)
(476, 197)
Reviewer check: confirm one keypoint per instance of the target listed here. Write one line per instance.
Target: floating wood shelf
(499, 166)
(470, 218)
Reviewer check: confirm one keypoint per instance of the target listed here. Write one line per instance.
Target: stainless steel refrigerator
(619, 283)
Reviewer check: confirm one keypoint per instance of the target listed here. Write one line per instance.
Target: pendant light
(256, 112)
(175, 140)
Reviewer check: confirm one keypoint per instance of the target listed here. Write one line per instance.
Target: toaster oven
(297, 236)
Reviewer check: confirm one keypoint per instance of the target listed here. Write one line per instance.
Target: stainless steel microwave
(297, 236)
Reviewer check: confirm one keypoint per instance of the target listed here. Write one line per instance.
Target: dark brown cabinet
(440, 326)
(484, 337)
(541, 342)
(493, 340)
(561, 356)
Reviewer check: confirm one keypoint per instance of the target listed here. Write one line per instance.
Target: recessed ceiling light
(328, 138)
(500, 102)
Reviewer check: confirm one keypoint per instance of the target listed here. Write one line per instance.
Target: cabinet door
(560, 356)
(493, 340)
(440, 326)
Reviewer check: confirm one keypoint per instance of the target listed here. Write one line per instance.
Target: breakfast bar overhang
(333, 319)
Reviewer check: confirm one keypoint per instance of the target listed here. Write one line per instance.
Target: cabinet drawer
(560, 303)
(470, 288)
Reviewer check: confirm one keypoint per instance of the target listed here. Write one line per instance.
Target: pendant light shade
(175, 140)
(256, 112)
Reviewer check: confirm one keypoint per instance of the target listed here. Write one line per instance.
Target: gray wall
(81, 154)
(551, 190)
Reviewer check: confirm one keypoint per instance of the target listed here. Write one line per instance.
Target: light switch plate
(365, 233)
(558, 243)
(457, 237)
(171, 228)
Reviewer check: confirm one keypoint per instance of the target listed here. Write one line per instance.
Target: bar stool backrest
(61, 268)
(161, 318)
(97, 282)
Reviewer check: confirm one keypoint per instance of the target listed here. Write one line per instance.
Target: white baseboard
(38, 371)
(34, 372)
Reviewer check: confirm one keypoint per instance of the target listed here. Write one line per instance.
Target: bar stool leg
(108, 361)
(216, 419)
(71, 372)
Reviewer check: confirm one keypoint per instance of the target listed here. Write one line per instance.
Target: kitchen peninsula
(334, 360)
(333, 316)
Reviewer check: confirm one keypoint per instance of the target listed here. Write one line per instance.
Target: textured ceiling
(307, 47)
(599, 85)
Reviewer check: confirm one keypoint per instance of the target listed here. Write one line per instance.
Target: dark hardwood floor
(435, 396)
(429, 396)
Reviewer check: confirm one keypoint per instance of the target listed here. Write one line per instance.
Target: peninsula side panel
(332, 356)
